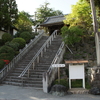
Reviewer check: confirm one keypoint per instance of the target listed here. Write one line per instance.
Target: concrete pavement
(8, 92)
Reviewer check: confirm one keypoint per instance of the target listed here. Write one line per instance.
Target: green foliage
(6, 37)
(17, 35)
(26, 36)
(72, 34)
(1, 63)
(7, 56)
(23, 23)
(14, 45)
(67, 72)
(1, 42)
(20, 41)
(80, 16)
(6, 52)
(62, 82)
(44, 11)
(8, 13)
(78, 83)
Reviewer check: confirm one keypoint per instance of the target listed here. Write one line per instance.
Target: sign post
(58, 66)
(76, 71)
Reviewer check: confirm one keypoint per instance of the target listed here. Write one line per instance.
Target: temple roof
(53, 20)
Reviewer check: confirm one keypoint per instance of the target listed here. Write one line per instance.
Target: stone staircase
(35, 79)
(12, 77)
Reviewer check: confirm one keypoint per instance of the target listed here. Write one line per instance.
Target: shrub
(2, 63)
(62, 82)
(1, 42)
(21, 42)
(6, 49)
(6, 56)
(17, 35)
(6, 37)
(26, 36)
(6, 53)
(15, 45)
(72, 34)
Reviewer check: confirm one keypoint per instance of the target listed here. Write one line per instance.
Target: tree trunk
(95, 27)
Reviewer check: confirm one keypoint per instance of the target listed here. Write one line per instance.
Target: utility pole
(95, 27)
(35, 23)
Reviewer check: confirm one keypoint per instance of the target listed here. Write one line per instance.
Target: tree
(44, 11)
(23, 23)
(80, 16)
(72, 34)
(95, 26)
(28, 15)
(8, 14)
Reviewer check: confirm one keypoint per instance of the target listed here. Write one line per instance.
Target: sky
(31, 5)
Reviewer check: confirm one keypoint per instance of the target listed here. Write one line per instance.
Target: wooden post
(33, 65)
(42, 54)
(28, 72)
(58, 74)
(95, 27)
(38, 59)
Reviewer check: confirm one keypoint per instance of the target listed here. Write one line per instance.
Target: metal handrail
(45, 45)
(8, 67)
(50, 75)
(56, 57)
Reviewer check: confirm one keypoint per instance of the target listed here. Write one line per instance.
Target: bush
(15, 45)
(6, 37)
(6, 56)
(62, 82)
(6, 53)
(1, 42)
(20, 41)
(72, 34)
(26, 36)
(17, 35)
(2, 63)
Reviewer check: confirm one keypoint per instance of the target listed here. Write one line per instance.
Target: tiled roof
(53, 20)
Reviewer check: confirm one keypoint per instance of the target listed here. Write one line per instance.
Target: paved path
(8, 92)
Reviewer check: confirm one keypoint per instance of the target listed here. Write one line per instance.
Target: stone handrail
(50, 75)
(38, 54)
(11, 65)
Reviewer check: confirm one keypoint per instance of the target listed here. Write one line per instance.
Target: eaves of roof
(54, 20)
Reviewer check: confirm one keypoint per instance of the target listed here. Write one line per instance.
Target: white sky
(31, 5)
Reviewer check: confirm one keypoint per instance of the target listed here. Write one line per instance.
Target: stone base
(95, 91)
(58, 90)
(78, 91)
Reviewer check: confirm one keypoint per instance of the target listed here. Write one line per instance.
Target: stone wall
(94, 76)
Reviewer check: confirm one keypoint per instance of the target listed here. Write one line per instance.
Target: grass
(79, 84)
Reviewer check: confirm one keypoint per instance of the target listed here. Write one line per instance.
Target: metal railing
(56, 59)
(11, 65)
(50, 75)
(37, 56)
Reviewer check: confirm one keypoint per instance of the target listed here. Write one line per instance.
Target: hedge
(20, 41)
(6, 37)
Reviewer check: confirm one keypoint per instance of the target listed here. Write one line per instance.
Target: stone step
(39, 85)
(38, 71)
(29, 80)
(35, 79)
(78, 91)
(41, 68)
(36, 76)
(12, 83)
(34, 85)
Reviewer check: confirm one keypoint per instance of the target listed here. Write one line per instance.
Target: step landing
(78, 91)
